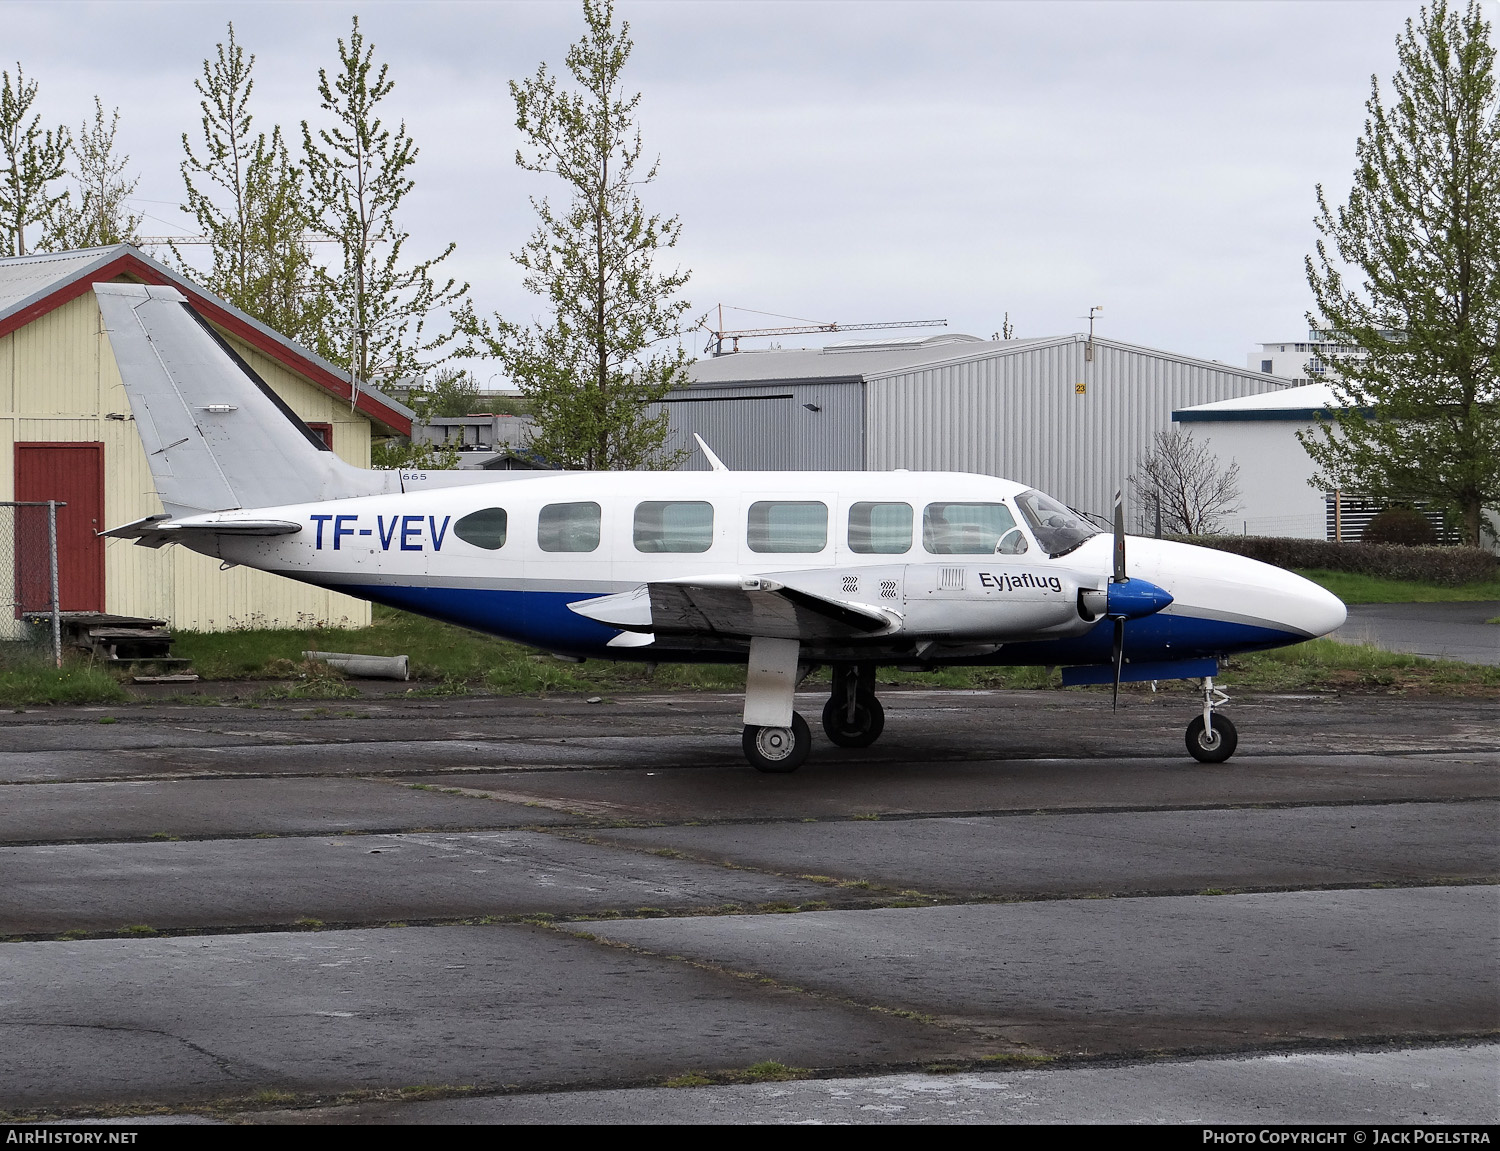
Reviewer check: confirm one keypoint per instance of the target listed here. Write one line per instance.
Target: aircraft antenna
(714, 462)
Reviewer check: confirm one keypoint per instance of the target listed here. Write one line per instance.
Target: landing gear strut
(1211, 738)
(776, 738)
(853, 717)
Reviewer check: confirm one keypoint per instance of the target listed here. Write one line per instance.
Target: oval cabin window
(484, 529)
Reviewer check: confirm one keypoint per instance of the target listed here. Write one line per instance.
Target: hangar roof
(1303, 403)
(31, 286)
(872, 359)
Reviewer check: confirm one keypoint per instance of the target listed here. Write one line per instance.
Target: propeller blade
(1119, 659)
(1119, 576)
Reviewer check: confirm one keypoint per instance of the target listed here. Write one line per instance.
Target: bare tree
(1179, 478)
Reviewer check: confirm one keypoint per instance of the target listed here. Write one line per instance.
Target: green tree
(246, 195)
(1421, 233)
(396, 454)
(592, 374)
(31, 161)
(359, 172)
(450, 392)
(100, 216)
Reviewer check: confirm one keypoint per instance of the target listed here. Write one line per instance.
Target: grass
(1353, 588)
(28, 678)
(767, 1071)
(456, 657)
(1329, 664)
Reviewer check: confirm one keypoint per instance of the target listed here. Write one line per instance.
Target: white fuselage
(409, 549)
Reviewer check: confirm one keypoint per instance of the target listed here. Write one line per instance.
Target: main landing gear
(777, 749)
(853, 717)
(1211, 738)
(776, 738)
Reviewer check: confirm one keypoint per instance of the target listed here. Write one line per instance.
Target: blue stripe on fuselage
(542, 619)
(1156, 637)
(537, 618)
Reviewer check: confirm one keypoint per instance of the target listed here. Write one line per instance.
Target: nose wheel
(777, 749)
(1211, 738)
(853, 717)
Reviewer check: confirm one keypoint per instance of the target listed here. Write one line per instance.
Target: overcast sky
(837, 161)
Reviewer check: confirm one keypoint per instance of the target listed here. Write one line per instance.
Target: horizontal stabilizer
(757, 607)
(153, 531)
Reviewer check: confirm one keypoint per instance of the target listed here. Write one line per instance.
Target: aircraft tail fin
(216, 436)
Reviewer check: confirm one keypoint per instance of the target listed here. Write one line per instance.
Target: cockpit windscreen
(1057, 527)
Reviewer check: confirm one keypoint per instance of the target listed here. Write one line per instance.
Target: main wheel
(778, 749)
(1215, 749)
(869, 720)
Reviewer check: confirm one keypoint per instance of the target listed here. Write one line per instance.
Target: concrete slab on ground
(1100, 975)
(1118, 853)
(834, 785)
(1425, 1086)
(63, 812)
(355, 879)
(170, 1020)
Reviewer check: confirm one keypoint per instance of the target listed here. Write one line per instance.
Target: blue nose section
(1135, 598)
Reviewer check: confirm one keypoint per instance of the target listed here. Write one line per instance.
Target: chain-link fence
(28, 574)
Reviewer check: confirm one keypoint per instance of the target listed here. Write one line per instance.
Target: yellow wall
(59, 382)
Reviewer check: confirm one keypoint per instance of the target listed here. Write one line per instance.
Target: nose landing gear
(1211, 738)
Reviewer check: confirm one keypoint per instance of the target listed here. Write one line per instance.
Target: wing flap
(758, 607)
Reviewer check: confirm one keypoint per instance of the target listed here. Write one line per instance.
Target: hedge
(1452, 567)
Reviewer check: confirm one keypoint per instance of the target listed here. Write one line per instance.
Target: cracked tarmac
(209, 905)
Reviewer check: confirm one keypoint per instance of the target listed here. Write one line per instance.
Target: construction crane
(158, 241)
(717, 336)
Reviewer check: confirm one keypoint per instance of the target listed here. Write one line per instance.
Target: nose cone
(1323, 611)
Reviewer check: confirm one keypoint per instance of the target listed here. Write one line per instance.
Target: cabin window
(484, 529)
(791, 526)
(965, 529)
(880, 529)
(680, 526)
(568, 527)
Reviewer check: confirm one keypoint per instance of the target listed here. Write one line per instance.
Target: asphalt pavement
(481, 909)
(1456, 631)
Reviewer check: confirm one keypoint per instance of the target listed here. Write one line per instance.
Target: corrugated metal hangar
(1065, 414)
(66, 423)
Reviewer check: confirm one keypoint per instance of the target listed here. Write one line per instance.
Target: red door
(71, 474)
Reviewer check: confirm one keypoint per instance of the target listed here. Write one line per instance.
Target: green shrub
(1449, 566)
(1399, 526)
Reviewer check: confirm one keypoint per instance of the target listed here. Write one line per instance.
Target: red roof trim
(130, 265)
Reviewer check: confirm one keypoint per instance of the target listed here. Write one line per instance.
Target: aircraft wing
(737, 608)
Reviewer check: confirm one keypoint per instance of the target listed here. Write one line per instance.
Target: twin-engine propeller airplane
(783, 570)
